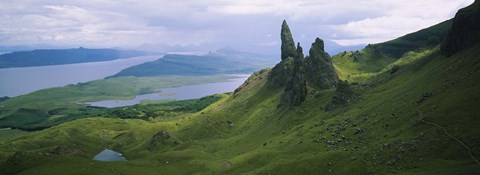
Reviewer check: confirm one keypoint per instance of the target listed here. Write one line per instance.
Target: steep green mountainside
(375, 57)
(44, 57)
(403, 124)
(223, 61)
(416, 115)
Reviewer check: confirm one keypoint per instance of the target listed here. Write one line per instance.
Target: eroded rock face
(465, 31)
(319, 68)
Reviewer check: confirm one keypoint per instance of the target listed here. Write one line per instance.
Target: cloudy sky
(241, 24)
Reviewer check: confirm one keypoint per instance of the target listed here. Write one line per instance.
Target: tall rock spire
(319, 68)
(288, 45)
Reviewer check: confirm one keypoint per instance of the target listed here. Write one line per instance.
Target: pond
(109, 155)
(179, 93)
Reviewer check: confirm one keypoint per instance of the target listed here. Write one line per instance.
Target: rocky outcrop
(160, 137)
(295, 72)
(465, 31)
(319, 69)
(343, 96)
(288, 45)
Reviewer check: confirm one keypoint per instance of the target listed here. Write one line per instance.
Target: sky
(251, 25)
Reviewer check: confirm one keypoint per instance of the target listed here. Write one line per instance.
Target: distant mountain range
(331, 47)
(44, 57)
(222, 61)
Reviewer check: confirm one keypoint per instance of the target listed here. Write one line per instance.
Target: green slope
(390, 129)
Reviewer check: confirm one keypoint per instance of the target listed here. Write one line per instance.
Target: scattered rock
(424, 97)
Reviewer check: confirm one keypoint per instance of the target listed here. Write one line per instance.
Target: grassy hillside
(421, 119)
(405, 109)
(44, 57)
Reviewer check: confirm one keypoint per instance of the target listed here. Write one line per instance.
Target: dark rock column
(296, 89)
(319, 67)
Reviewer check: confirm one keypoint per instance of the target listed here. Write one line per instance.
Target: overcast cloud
(242, 24)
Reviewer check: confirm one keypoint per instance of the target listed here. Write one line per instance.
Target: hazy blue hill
(44, 57)
(224, 61)
(334, 48)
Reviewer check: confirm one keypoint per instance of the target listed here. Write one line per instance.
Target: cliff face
(465, 31)
(295, 73)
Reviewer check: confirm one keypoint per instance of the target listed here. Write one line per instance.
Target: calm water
(18, 81)
(109, 155)
(179, 93)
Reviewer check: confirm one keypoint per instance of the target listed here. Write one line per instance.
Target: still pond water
(109, 155)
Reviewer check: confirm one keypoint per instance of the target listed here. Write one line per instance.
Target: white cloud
(128, 23)
(398, 20)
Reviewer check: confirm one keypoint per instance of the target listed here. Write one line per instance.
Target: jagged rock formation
(465, 31)
(288, 45)
(319, 68)
(296, 87)
(294, 72)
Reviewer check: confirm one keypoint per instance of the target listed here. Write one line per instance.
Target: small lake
(19, 81)
(109, 155)
(179, 93)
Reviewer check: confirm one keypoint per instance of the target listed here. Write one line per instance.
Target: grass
(392, 127)
(244, 133)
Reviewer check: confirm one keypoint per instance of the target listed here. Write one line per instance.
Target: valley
(405, 106)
